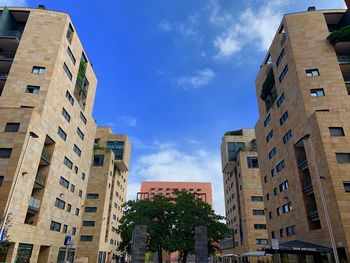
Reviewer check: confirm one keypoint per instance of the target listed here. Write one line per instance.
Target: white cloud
(199, 79)
(165, 26)
(128, 120)
(256, 27)
(13, 3)
(170, 164)
(216, 17)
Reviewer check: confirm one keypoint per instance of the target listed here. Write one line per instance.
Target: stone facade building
(245, 214)
(303, 131)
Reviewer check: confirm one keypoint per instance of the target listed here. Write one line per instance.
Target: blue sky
(175, 75)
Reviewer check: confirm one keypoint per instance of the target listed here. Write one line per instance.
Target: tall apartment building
(47, 90)
(245, 214)
(106, 193)
(202, 190)
(303, 131)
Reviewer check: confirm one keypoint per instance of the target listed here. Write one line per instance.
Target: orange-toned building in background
(200, 189)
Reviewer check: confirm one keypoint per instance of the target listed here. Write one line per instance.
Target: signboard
(68, 241)
(275, 244)
(2, 234)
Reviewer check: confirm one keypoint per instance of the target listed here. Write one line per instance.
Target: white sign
(275, 244)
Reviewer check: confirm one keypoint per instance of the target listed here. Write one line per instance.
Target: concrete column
(139, 240)
(35, 253)
(201, 244)
(12, 253)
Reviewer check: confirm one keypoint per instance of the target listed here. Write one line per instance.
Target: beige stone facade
(106, 193)
(47, 86)
(305, 109)
(245, 214)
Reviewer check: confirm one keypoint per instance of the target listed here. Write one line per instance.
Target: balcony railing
(40, 180)
(10, 34)
(312, 212)
(307, 186)
(346, 78)
(7, 55)
(302, 162)
(46, 156)
(3, 76)
(34, 205)
(343, 59)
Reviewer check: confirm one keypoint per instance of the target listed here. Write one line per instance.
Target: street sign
(275, 244)
(68, 241)
(2, 234)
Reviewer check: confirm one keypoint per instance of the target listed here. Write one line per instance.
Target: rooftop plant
(340, 35)
(269, 83)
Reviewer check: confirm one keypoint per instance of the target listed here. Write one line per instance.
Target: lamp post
(323, 200)
(7, 209)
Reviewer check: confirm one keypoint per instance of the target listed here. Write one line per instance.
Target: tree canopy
(171, 224)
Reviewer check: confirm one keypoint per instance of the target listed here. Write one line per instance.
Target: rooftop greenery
(269, 83)
(340, 35)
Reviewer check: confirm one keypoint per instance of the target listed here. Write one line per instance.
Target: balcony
(40, 180)
(343, 59)
(12, 34)
(307, 187)
(45, 157)
(346, 78)
(7, 56)
(34, 206)
(302, 162)
(3, 76)
(312, 213)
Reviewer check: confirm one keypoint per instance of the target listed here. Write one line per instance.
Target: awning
(255, 254)
(298, 247)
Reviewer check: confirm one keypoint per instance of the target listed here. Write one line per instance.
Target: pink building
(200, 189)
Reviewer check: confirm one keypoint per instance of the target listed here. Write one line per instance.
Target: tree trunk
(160, 254)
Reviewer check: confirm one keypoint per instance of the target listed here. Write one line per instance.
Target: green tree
(4, 245)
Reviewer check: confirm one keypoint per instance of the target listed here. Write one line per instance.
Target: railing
(346, 78)
(307, 186)
(343, 59)
(11, 33)
(312, 212)
(40, 179)
(7, 55)
(3, 76)
(46, 155)
(302, 162)
(34, 204)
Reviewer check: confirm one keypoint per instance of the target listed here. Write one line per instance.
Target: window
(98, 160)
(77, 150)
(291, 231)
(259, 226)
(343, 157)
(70, 33)
(1, 180)
(280, 57)
(89, 223)
(69, 208)
(90, 209)
(280, 166)
(72, 188)
(312, 72)
(346, 186)
(232, 149)
(74, 231)
(55, 226)
(278, 211)
(68, 163)
(71, 56)
(65, 115)
(80, 134)
(82, 117)
(287, 136)
(284, 118)
(86, 238)
(286, 208)
(317, 92)
(282, 232)
(92, 196)
(77, 211)
(280, 100)
(267, 120)
(5, 152)
(269, 136)
(268, 196)
(261, 241)
(62, 134)
(64, 182)
(83, 176)
(12, 127)
(80, 194)
(65, 229)
(272, 153)
(275, 191)
(67, 71)
(336, 131)
(257, 198)
(59, 203)
(76, 169)
(273, 172)
(253, 162)
(257, 212)
(273, 235)
(38, 70)
(32, 89)
(69, 98)
(270, 215)
(283, 74)
(283, 186)
(265, 179)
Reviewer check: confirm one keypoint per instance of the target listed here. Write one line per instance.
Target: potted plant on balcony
(340, 35)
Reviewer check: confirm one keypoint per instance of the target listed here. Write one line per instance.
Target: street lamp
(7, 209)
(323, 199)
